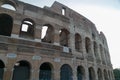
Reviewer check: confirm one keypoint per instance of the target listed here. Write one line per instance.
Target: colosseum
(50, 43)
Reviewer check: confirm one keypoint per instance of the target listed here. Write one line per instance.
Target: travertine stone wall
(89, 56)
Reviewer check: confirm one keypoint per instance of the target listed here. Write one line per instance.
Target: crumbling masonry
(71, 48)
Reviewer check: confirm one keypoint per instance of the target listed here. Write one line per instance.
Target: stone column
(96, 74)
(34, 74)
(8, 74)
(56, 71)
(56, 37)
(74, 74)
(16, 28)
(38, 32)
(86, 73)
(103, 77)
(56, 74)
(35, 68)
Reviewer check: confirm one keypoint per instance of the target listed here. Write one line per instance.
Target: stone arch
(27, 28)
(91, 73)
(21, 70)
(47, 33)
(78, 42)
(66, 72)
(2, 66)
(9, 5)
(87, 45)
(6, 24)
(80, 73)
(95, 48)
(102, 55)
(99, 73)
(64, 37)
(105, 75)
(46, 71)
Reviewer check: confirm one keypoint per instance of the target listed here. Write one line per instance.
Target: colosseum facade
(50, 43)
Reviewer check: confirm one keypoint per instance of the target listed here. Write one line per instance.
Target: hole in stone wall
(44, 30)
(78, 42)
(47, 34)
(21, 71)
(6, 24)
(27, 29)
(8, 6)
(63, 11)
(87, 45)
(64, 37)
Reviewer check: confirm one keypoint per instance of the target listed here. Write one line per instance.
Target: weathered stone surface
(71, 39)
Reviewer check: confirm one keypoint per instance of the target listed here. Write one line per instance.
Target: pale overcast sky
(105, 14)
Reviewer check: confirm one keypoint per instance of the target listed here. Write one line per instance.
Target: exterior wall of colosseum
(72, 48)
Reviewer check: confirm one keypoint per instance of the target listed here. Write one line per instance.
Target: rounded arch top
(9, 4)
(66, 66)
(81, 68)
(23, 63)
(48, 25)
(64, 30)
(2, 65)
(46, 65)
(6, 24)
(29, 21)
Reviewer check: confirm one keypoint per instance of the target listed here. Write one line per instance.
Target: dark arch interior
(78, 42)
(6, 24)
(66, 73)
(99, 74)
(21, 71)
(87, 44)
(80, 73)
(27, 29)
(1, 69)
(105, 75)
(91, 74)
(64, 37)
(2, 64)
(45, 72)
(45, 66)
(49, 35)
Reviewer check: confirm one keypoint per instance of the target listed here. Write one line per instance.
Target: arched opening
(21, 71)
(45, 72)
(78, 42)
(109, 75)
(6, 24)
(8, 6)
(27, 29)
(64, 37)
(66, 72)
(2, 66)
(47, 34)
(63, 11)
(87, 45)
(102, 55)
(91, 74)
(105, 75)
(95, 49)
(99, 73)
(80, 73)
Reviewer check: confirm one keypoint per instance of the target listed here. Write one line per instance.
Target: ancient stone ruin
(50, 43)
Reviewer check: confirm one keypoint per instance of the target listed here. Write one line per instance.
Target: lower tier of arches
(23, 70)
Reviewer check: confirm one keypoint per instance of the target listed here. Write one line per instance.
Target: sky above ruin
(105, 14)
